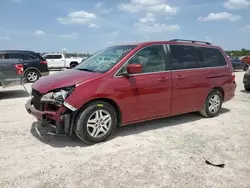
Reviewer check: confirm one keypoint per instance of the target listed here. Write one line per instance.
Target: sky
(90, 25)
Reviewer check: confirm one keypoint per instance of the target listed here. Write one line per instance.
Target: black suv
(34, 65)
(246, 80)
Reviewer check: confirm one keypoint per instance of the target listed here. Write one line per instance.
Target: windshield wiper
(86, 70)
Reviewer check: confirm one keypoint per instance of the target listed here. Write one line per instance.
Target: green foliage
(238, 53)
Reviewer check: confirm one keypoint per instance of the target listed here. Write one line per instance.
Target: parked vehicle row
(57, 61)
(135, 83)
(239, 64)
(33, 64)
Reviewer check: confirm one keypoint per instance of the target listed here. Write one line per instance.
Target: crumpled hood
(62, 79)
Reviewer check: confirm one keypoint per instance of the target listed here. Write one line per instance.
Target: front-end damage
(52, 110)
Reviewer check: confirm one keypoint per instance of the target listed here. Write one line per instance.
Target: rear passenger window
(210, 57)
(57, 56)
(19, 56)
(183, 57)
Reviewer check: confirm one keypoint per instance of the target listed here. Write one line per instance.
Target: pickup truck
(60, 61)
(11, 72)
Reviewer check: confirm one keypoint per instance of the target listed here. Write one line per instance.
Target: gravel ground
(169, 152)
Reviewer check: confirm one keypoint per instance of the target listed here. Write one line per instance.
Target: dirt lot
(164, 153)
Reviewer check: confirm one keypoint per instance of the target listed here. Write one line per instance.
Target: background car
(238, 64)
(246, 80)
(58, 61)
(11, 72)
(34, 65)
(246, 60)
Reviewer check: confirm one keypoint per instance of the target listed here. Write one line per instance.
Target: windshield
(105, 59)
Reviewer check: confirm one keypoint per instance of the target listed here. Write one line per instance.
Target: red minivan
(131, 83)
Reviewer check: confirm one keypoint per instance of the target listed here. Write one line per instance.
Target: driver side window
(152, 59)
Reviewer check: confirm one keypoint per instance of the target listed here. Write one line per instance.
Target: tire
(73, 64)
(216, 98)
(32, 76)
(246, 67)
(89, 134)
(247, 87)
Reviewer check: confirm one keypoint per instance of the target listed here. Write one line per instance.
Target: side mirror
(134, 68)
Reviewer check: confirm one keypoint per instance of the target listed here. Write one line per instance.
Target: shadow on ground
(12, 94)
(244, 91)
(72, 141)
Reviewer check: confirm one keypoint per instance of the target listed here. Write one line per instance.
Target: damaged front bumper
(60, 119)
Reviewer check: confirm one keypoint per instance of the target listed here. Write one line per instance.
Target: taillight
(43, 62)
(19, 68)
(233, 77)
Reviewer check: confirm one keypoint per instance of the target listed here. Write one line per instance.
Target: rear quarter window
(210, 57)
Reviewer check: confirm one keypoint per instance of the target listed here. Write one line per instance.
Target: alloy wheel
(214, 103)
(32, 76)
(99, 123)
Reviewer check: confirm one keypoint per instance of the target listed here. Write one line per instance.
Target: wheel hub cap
(99, 123)
(214, 103)
(32, 76)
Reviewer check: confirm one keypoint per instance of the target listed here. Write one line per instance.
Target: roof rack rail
(192, 41)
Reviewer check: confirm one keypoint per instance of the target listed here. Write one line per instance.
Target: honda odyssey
(138, 82)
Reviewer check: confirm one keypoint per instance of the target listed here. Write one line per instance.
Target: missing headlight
(57, 96)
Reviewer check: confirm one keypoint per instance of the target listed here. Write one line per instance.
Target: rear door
(7, 68)
(218, 72)
(190, 85)
(148, 94)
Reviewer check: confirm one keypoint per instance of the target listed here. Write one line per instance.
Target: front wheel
(212, 105)
(96, 122)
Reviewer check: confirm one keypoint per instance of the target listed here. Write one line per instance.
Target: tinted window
(19, 56)
(48, 57)
(235, 59)
(57, 56)
(210, 57)
(183, 57)
(152, 59)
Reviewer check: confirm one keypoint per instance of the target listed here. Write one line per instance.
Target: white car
(60, 61)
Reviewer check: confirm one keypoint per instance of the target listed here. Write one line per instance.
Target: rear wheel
(32, 76)
(247, 87)
(96, 122)
(73, 64)
(212, 105)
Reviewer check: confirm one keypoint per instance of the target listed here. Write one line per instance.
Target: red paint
(144, 96)
(134, 68)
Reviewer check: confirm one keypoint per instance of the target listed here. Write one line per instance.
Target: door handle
(179, 77)
(163, 79)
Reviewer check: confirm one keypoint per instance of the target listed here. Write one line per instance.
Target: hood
(62, 79)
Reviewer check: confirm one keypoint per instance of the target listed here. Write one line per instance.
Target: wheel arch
(111, 102)
(73, 62)
(32, 68)
(220, 89)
